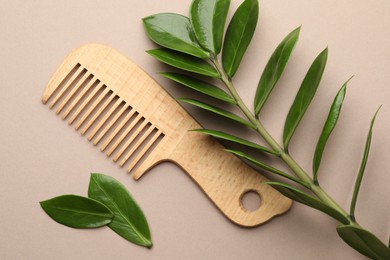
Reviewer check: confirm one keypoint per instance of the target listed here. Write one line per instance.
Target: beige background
(42, 157)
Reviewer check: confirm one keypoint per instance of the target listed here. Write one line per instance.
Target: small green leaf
(362, 167)
(304, 97)
(308, 200)
(364, 242)
(201, 86)
(184, 62)
(266, 167)
(239, 34)
(274, 69)
(77, 212)
(235, 139)
(208, 18)
(129, 220)
(330, 124)
(175, 32)
(218, 111)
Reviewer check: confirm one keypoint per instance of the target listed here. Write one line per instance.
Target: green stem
(292, 164)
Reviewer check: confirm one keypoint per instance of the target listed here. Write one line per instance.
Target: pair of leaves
(175, 32)
(327, 130)
(364, 242)
(109, 203)
(209, 90)
(198, 36)
(272, 73)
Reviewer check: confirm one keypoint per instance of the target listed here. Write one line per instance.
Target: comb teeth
(97, 110)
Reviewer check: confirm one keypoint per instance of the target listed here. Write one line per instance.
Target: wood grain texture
(142, 125)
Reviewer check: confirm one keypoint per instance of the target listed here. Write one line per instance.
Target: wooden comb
(134, 120)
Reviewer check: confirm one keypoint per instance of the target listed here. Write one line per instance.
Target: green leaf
(208, 18)
(308, 200)
(218, 111)
(304, 97)
(129, 220)
(266, 167)
(274, 69)
(200, 86)
(364, 242)
(184, 62)
(362, 167)
(239, 34)
(77, 212)
(330, 124)
(235, 139)
(175, 32)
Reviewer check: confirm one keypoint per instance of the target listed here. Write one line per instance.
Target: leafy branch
(194, 44)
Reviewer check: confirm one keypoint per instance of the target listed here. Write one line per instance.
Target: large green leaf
(362, 167)
(239, 34)
(208, 19)
(184, 62)
(266, 167)
(200, 86)
(235, 139)
(217, 110)
(175, 32)
(304, 97)
(274, 69)
(77, 212)
(129, 220)
(304, 198)
(330, 124)
(364, 242)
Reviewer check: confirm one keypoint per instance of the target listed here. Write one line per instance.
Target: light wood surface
(118, 106)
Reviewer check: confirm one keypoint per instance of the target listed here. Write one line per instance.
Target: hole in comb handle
(250, 200)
